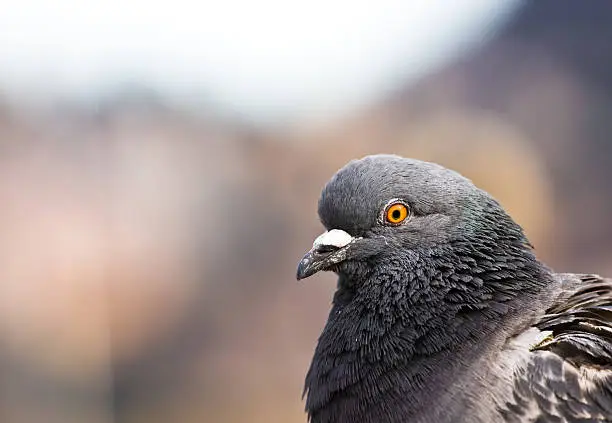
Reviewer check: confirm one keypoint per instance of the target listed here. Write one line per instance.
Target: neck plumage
(394, 340)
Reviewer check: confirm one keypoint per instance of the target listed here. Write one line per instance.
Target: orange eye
(396, 213)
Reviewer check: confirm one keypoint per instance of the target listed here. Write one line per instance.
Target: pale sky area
(263, 60)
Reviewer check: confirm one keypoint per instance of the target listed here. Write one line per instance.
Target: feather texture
(568, 376)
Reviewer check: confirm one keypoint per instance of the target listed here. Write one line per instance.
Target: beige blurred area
(147, 257)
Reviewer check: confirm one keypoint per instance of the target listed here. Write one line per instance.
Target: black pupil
(395, 214)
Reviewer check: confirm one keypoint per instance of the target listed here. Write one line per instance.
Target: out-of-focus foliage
(147, 257)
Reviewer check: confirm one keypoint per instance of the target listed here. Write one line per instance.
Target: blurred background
(160, 166)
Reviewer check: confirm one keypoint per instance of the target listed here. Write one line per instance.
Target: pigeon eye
(396, 213)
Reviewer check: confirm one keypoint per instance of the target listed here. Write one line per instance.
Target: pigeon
(443, 313)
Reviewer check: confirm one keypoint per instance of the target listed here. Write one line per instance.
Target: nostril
(326, 249)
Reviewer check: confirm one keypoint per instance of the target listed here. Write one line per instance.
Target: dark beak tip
(315, 260)
(309, 265)
(303, 270)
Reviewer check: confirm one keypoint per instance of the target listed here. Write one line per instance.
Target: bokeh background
(160, 166)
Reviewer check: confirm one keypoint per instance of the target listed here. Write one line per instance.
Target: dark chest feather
(392, 350)
(372, 367)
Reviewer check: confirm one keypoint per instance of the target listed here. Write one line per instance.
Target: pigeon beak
(328, 249)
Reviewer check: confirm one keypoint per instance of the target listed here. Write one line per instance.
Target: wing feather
(568, 376)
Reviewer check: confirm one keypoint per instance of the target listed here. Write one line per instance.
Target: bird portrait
(443, 312)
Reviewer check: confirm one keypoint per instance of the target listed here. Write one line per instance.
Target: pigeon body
(442, 311)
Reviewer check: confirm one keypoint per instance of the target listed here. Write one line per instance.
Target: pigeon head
(382, 204)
